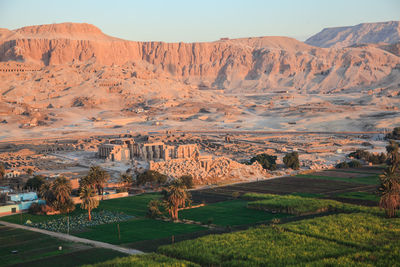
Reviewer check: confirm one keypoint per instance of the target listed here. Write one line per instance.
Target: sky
(199, 20)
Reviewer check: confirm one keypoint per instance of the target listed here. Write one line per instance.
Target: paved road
(75, 239)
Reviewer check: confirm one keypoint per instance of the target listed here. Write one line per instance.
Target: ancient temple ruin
(126, 149)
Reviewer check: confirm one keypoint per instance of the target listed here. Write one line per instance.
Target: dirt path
(75, 239)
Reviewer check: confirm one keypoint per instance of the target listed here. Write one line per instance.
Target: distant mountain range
(365, 33)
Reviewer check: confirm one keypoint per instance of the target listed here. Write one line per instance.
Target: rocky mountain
(364, 33)
(253, 63)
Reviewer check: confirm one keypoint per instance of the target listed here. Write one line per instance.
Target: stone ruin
(182, 159)
(216, 170)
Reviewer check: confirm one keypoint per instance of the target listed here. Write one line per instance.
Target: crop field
(147, 260)
(347, 177)
(137, 230)
(359, 195)
(298, 205)
(228, 213)
(357, 239)
(34, 249)
(339, 184)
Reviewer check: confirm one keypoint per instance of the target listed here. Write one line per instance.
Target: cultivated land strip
(75, 239)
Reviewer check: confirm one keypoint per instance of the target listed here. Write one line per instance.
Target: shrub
(268, 162)
(354, 164)
(291, 160)
(187, 180)
(152, 177)
(342, 165)
(350, 164)
(35, 208)
(153, 208)
(368, 156)
(395, 134)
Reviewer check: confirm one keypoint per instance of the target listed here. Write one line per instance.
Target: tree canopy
(291, 160)
(268, 162)
(152, 177)
(35, 183)
(89, 202)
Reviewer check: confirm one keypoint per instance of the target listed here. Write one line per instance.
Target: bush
(291, 160)
(152, 177)
(395, 134)
(187, 180)
(268, 162)
(153, 209)
(351, 164)
(354, 164)
(342, 165)
(368, 156)
(35, 208)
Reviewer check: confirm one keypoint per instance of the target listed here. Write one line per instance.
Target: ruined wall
(220, 169)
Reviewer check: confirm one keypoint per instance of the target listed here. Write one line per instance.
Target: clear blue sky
(199, 20)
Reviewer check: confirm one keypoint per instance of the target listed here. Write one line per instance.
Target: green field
(297, 205)
(137, 230)
(359, 195)
(234, 212)
(350, 239)
(147, 260)
(36, 249)
(369, 180)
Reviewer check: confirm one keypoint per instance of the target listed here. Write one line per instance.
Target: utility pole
(119, 233)
(68, 225)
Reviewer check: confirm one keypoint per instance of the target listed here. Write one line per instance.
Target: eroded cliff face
(364, 33)
(252, 63)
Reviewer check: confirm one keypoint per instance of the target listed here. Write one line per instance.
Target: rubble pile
(221, 169)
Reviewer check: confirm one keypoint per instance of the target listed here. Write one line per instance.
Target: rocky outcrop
(365, 33)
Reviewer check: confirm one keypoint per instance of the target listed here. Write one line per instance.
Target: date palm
(97, 177)
(61, 188)
(390, 192)
(89, 202)
(175, 197)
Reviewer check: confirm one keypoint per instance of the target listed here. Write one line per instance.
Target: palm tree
(46, 193)
(126, 180)
(390, 192)
(89, 201)
(97, 177)
(61, 188)
(2, 170)
(175, 197)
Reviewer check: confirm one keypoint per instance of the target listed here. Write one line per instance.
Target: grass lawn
(370, 180)
(360, 195)
(137, 230)
(234, 212)
(35, 247)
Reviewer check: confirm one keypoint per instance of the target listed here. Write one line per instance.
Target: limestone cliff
(249, 63)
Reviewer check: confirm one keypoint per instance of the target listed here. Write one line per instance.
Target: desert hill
(72, 77)
(365, 33)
